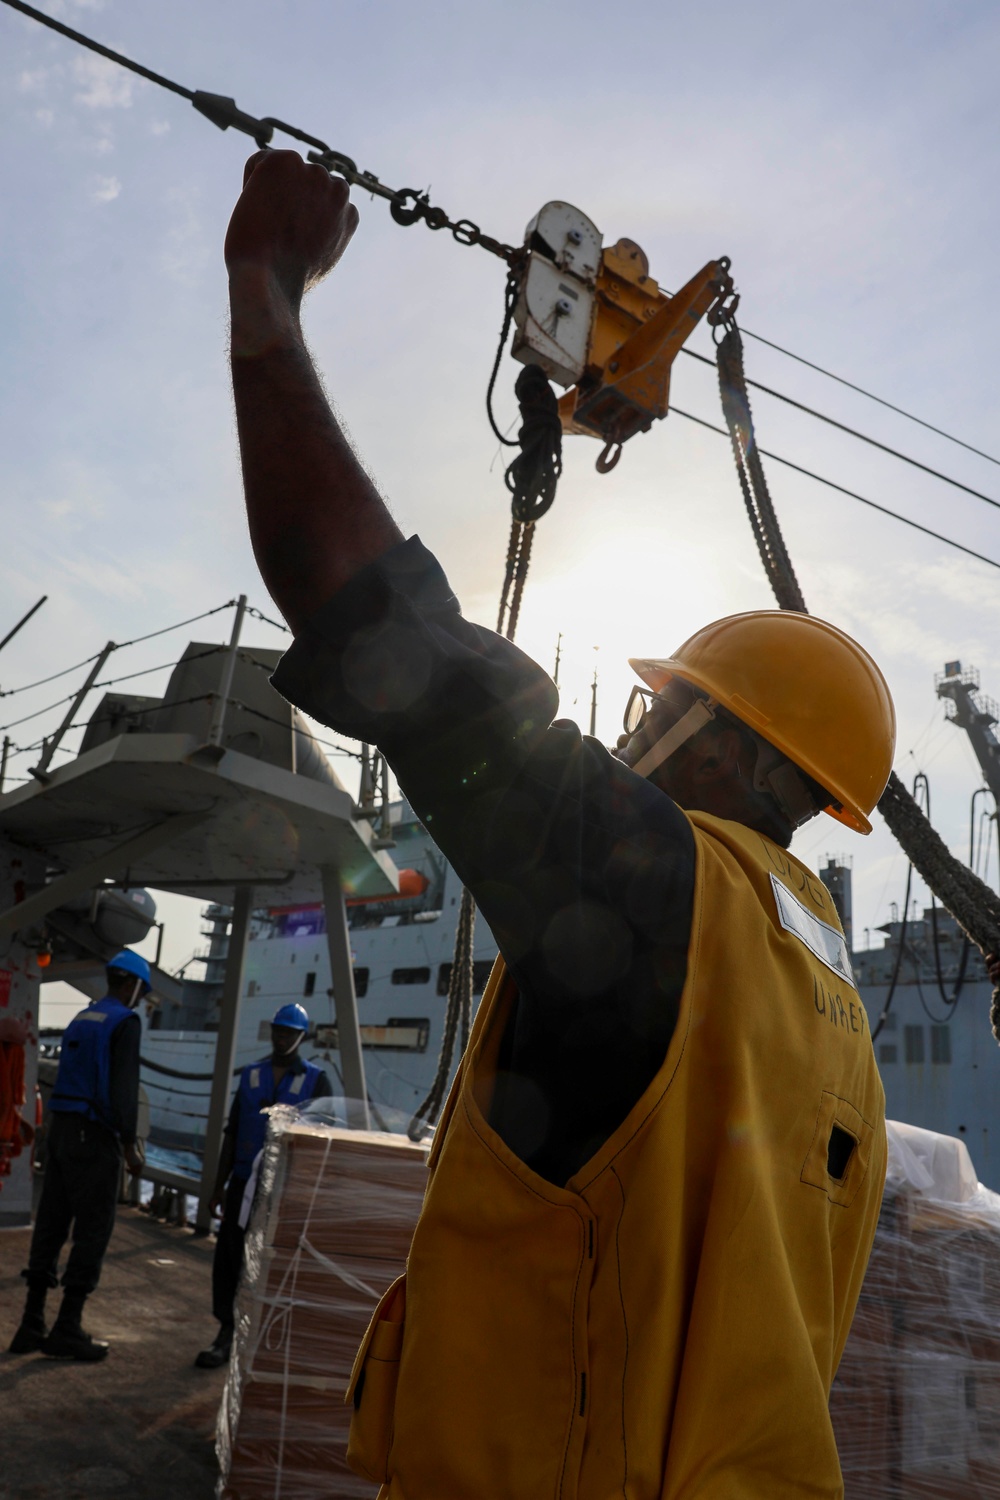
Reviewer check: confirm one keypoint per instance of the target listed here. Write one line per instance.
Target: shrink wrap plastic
(330, 1229)
(916, 1401)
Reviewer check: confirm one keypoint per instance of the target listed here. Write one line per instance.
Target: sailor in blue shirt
(94, 1111)
(282, 1078)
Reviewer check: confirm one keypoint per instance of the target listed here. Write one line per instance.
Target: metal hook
(404, 215)
(606, 461)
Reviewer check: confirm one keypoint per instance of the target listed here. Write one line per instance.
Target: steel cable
(862, 437)
(842, 490)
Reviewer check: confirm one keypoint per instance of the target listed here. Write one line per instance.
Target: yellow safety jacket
(669, 1323)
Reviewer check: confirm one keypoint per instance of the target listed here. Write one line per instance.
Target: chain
(407, 205)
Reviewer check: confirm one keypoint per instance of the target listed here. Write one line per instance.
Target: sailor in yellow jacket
(655, 1185)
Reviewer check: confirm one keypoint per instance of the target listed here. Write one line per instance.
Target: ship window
(940, 1044)
(887, 1052)
(310, 984)
(411, 976)
(360, 982)
(913, 1043)
(481, 970)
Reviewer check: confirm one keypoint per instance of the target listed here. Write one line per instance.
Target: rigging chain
(975, 907)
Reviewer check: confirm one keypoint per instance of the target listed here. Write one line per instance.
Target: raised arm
(316, 519)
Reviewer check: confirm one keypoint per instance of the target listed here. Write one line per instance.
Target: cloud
(185, 252)
(104, 85)
(98, 575)
(30, 80)
(105, 189)
(44, 116)
(66, 7)
(159, 127)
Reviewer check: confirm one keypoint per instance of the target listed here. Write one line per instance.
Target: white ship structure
(402, 949)
(925, 990)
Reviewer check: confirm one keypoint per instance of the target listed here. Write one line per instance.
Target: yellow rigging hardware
(595, 320)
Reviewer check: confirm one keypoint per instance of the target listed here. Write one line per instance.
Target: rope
(974, 906)
(531, 479)
(534, 473)
(458, 1012)
(509, 300)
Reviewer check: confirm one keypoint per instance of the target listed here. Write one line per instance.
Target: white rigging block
(555, 305)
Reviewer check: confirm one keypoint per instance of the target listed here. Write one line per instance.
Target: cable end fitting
(223, 112)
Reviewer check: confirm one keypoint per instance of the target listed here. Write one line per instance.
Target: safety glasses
(640, 701)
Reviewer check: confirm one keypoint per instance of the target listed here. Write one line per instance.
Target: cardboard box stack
(916, 1401)
(331, 1228)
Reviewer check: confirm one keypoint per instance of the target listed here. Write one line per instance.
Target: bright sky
(838, 154)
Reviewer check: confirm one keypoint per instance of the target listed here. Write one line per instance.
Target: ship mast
(976, 714)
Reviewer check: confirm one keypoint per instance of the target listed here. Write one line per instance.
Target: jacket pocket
(372, 1387)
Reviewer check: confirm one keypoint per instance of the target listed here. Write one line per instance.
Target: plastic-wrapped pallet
(331, 1228)
(916, 1401)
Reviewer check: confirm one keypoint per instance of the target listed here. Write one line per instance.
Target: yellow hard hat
(807, 688)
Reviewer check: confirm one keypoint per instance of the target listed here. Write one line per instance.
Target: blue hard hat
(131, 963)
(295, 1017)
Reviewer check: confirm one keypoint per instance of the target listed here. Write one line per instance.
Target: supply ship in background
(939, 1062)
(401, 948)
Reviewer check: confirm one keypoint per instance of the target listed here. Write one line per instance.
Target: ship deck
(143, 1421)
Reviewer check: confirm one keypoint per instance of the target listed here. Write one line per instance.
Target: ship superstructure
(401, 952)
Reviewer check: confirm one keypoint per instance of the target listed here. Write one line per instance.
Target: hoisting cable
(406, 205)
(975, 907)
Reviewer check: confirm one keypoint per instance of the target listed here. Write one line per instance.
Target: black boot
(32, 1332)
(68, 1339)
(218, 1352)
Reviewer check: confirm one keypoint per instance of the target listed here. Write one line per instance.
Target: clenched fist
(291, 225)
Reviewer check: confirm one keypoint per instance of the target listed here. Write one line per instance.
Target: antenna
(593, 700)
(555, 674)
